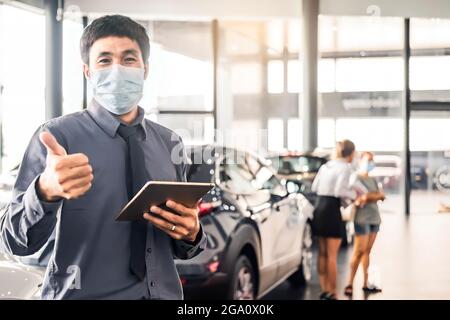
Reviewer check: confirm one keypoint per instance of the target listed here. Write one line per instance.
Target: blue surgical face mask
(118, 89)
(367, 166)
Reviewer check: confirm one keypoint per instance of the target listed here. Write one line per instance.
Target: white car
(387, 170)
(20, 277)
(19, 281)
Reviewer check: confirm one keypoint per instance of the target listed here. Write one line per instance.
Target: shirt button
(149, 250)
(152, 284)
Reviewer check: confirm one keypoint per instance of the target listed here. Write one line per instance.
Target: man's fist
(65, 176)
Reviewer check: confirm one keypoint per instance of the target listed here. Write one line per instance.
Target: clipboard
(156, 193)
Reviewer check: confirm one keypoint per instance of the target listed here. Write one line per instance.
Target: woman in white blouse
(332, 185)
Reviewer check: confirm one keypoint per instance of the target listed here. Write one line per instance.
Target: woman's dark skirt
(327, 220)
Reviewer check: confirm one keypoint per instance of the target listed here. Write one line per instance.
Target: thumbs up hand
(65, 176)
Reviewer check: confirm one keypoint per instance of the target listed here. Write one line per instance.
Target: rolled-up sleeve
(28, 221)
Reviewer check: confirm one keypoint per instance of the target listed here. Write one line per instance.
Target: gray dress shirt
(91, 255)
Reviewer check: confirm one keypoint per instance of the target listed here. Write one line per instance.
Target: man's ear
(146, 67)
(86, 71)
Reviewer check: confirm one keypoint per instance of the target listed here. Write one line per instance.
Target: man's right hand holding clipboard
(182, 226)
(169, 206)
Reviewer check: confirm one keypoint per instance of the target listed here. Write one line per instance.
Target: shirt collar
(110, 122)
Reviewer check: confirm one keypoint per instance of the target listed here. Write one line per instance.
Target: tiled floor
(411, 259)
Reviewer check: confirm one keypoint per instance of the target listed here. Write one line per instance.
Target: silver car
(19, 281)
(20, 277)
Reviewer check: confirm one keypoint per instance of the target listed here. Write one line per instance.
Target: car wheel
(304, 272)
(243, 285)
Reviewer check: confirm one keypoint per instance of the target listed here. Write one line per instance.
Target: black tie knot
(126, 131)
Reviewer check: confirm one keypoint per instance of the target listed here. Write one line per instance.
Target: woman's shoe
(348, 291)
(331, 296)
(371, 289)
(324, 295)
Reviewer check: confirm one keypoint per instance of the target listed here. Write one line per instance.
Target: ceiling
(206, 9)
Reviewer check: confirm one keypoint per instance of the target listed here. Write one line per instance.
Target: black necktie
(136, 177)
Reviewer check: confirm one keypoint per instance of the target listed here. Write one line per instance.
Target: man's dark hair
(114, 25)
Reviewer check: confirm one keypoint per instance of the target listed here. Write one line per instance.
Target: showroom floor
(410, 259)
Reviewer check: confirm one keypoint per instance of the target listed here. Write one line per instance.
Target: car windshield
(299, 164)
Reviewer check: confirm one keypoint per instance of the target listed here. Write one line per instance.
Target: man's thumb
(53, 147)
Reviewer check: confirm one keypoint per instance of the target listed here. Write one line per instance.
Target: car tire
(304, 273)
(243, 280)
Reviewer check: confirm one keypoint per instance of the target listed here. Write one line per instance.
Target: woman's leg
(366, 256)
(322, 264)
(359, 248)
(333, 245)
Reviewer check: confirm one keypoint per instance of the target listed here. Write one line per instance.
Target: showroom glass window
(430, 120)
(22, 76)
(72, 63)
(253, 87)
(179, 89)
(361, 83)
(22, 79)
